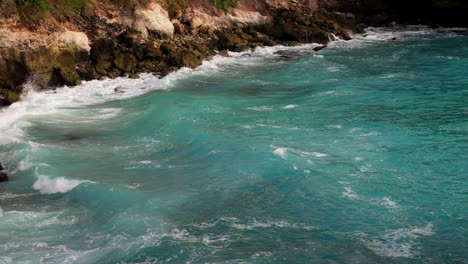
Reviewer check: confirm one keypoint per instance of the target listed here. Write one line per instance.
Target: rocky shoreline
(67, 59)
(108, 39)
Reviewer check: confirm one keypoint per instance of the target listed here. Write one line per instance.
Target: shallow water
(354, 154)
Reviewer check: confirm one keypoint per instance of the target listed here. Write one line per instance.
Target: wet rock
(168, 70)
(3, 175)
(186, 58)
(119, 90)
(134, 76)
(319, 48)
(161, 66)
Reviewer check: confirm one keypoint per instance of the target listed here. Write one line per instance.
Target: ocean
(353, 154)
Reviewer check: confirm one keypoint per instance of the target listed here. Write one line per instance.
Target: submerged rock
(318, 48)
(3, 175)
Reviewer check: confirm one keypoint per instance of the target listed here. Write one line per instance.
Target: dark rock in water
(119, 90)
(3, 177)
(74, 138)
(394, 38)
(318, 48)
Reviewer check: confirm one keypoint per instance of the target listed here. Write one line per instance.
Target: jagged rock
(152, 52)
(168, 48)
(185, 58)
(318, 48)
(101, 54)
(231, 41)
(161, 66)
(125, 61)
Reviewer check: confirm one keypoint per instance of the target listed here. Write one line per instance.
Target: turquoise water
(354, 154)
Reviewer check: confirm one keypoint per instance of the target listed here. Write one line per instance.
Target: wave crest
(46, 185)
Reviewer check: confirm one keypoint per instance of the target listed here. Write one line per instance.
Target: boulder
(196, 22)
(179, 28)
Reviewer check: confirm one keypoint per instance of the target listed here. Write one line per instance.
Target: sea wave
(46, 185)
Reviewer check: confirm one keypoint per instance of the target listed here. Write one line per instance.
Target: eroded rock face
(43, 60)
(152, 19)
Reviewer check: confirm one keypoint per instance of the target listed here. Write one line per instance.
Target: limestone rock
(196, 22)
(151, 19)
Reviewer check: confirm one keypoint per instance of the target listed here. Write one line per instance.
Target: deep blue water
(354, 154)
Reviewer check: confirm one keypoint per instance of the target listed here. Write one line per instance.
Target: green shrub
(225, 4)
(39, 3)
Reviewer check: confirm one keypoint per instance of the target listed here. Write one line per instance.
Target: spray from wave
(46, 185)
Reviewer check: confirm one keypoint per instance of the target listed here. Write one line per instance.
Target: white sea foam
(388, 203)
(348, 192)
(290, 106)
(260, 108)
(281, 152)
(39, 103)
(253, 223)
(400, 242)
(315, 154)
(237, 60)
(46, 185)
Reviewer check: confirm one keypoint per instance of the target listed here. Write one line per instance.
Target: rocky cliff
(49, 43)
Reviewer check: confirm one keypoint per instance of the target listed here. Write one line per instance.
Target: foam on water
(46, 185)
(37, 103)
(401, 242)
